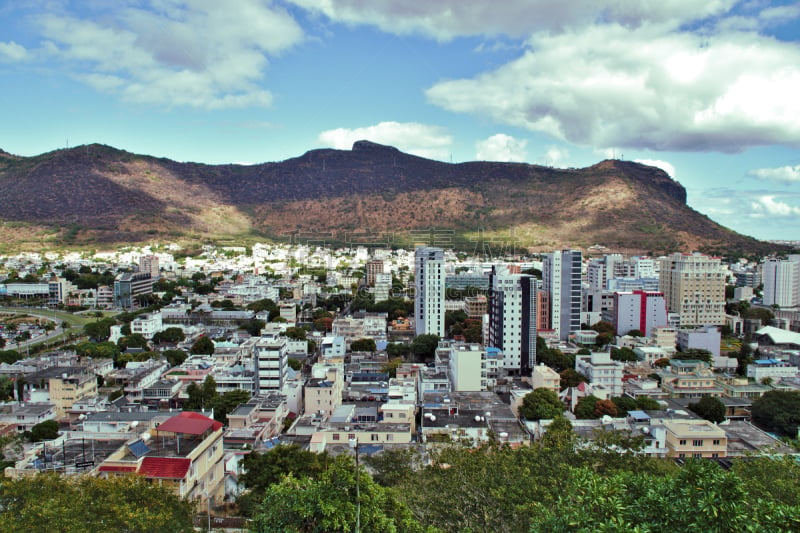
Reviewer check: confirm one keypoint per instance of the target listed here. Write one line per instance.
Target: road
(59, 317)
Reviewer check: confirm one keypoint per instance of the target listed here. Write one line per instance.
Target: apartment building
(429, 295)
(694, 287)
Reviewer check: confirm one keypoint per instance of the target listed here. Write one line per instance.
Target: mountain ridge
(98, 193)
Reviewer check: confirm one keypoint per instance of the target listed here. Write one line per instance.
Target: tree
(397, 349)
(169, 335)
(134, 340)
(424, 346)
(202, 346)
(295, 333)
(635, 333)
(227, 402)
(541, 404)
(363, 345)
(624, 354)
(624, 404)
(394, 466)
(329, 504)
(605, 330)
(559, 434)
(698, 497)
(47, 430)
(712, 409)
(294, 364)
(175, 357)
(585, 408)
(85, 503)
(645, 403)
(778, 411)
(662, 362)
(695, 354)
(572, 378)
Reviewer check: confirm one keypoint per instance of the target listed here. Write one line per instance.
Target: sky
(707, 90)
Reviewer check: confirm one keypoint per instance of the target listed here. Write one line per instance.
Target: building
(561, 278)
(695, 438)
(694, 287)
(373, 268)
(270, 356)
(689, 379)
(512, 318)
(639, 310)
(149, 264)
(128, 286)
(147, 324)
(323, 395)
(184, 453)
(545, 377)
(773, 369)
(476, 306)
(705, 338)
(429, 295)
(782, 282)
(383, 286)
(473, 368)
(601, 370)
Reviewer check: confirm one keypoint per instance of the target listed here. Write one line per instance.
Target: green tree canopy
(363, 345)
(204, 345)
(46, 430)
(624, 354)
(778, 411)
(541, 404)
(712, 409)
(424, 346)
(175, 357)
(169, 335)
(328, 503)
(79, 504)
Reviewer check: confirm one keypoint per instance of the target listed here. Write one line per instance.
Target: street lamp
(354, 444)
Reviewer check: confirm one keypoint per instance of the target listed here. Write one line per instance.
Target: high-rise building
(640, 310)
(694, 287)
(512, 318)
(429, 280)
(149, 264)
(782, 282)
(561, 277)
(373, 268)
(128, 286)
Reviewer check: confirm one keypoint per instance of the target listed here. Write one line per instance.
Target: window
(697, 455)
(697, 442)
(351, 436)
(682, 442)
(335, 436)
(374, 437)
(715, 442)
(389, 437)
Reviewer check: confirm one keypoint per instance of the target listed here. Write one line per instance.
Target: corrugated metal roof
(165, 467)
(190, 423)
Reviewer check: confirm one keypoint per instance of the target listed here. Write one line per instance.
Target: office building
(429, 295)
(513, 318)
(694, 287)
(561, 278)
(782, 282)
(639, 310)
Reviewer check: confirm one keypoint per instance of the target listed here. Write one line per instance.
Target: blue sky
(706, 90)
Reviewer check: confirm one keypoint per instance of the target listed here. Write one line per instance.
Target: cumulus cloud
(777, 212)
(424, 140)
(786, 174)
(644, 88)
(767, 205)
(12, 51)
(669, 168)
(446, 19)
(501, 147)
(197, 54)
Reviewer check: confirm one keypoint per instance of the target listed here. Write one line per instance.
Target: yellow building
(695, 438)
(70, 387)
(545, 377)
(184, 453)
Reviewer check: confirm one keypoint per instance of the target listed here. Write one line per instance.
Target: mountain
(371, 194)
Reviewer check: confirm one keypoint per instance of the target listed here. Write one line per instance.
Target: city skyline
(705, 91)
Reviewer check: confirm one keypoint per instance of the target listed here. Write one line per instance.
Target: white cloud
(446, 19)
(767, 205)
(501, 147)
(642, 88)
(12, 51)
(663, 165)
(423, 140)
(786, 174)
(201, 54)
(556, 156)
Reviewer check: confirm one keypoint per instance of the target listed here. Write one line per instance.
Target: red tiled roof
(165, 467)
(190, 423)
(116, 468)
